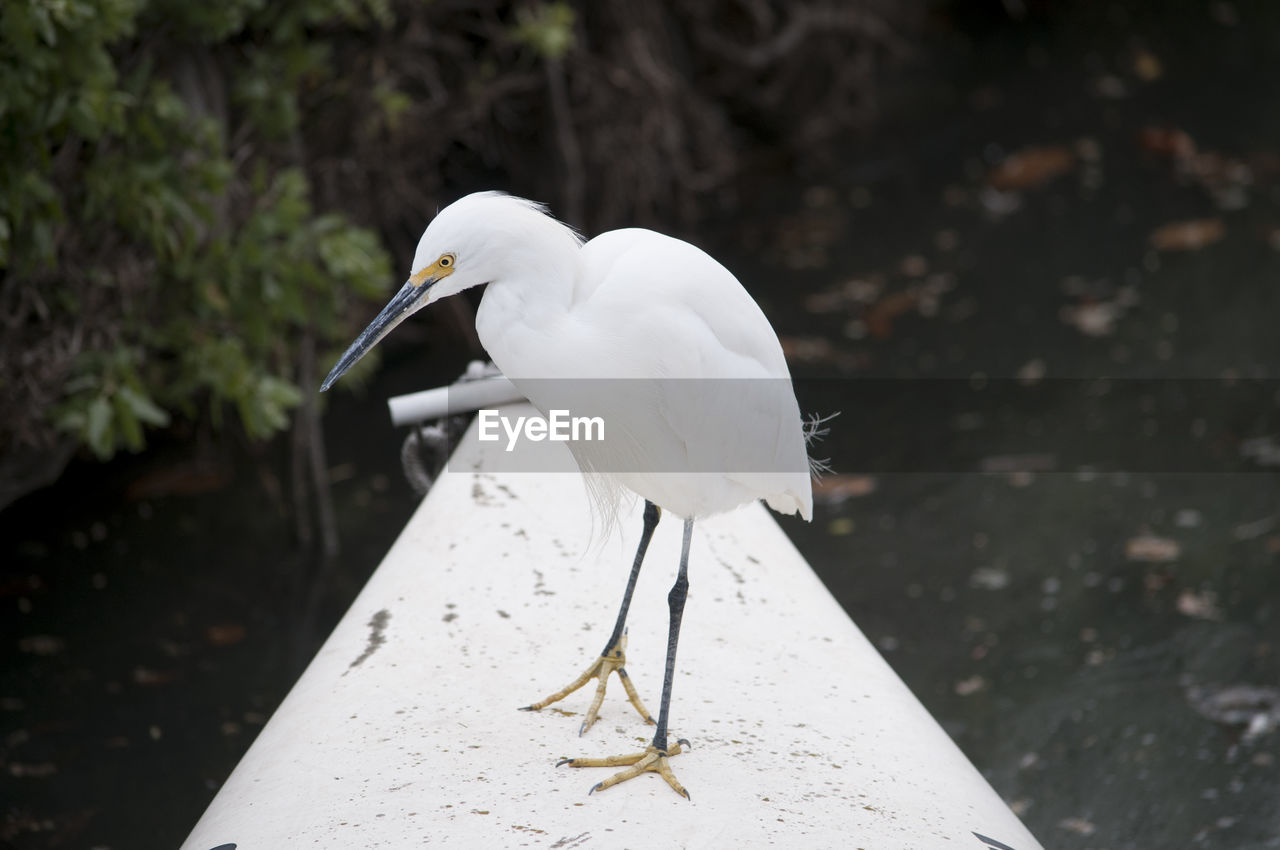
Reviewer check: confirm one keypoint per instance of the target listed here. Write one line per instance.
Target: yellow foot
(652, 759)
(612, 661)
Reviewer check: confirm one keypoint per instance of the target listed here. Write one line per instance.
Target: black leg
(613, 658)
(656, 756)
(675, 602)
(652, 513)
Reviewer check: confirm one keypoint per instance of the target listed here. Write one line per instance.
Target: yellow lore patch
(441, 268)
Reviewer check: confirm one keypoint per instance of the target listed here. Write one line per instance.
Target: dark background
(1043, 195)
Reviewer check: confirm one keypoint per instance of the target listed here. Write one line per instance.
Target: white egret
(657, 338)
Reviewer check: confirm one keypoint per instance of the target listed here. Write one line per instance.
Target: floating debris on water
(1254, 707)
(1201, 605)
(1187, 235)
(836, 489)
(1151, 549)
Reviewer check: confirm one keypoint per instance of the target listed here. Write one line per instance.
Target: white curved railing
(404, 732)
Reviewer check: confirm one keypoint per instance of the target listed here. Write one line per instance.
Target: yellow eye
(445, 261)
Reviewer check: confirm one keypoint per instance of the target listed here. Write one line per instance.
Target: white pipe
(462, 397)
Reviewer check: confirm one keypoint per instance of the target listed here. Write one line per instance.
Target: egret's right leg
(655, 758)
(614, 656)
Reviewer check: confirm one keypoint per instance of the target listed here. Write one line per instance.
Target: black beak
(404, 304)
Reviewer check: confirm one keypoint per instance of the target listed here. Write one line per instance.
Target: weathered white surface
(407, 734)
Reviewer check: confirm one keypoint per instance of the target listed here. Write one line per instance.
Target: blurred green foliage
(170, 170)
(547, 28)
(155, 218)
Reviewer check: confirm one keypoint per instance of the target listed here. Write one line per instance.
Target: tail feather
(813, 433)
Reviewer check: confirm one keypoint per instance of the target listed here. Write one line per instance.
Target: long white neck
(530, 295)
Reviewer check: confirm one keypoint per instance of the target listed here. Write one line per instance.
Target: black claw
(684, 742)
(564, 761)
(594, 788)
(582, 730)
(526, 708)
(687, 797)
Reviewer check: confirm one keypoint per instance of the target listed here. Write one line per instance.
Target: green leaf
(98, 432)
(143, 408)
(547, 28)
(128, 426)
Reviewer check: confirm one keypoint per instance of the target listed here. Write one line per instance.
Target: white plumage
(702, 418)
(653, 336)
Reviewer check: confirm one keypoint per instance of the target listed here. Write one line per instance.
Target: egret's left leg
(654, 758)
(613, 658)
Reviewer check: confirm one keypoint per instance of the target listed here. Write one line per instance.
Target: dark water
(149, 635)
(1092, 618)
(1095, 621)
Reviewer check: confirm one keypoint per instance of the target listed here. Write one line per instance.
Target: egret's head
(477, 239)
